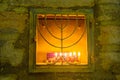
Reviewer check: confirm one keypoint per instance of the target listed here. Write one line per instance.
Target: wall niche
(61, 41)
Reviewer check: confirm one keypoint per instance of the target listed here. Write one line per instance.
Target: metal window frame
(61, 68)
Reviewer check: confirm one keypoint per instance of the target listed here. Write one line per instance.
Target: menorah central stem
(61, 38)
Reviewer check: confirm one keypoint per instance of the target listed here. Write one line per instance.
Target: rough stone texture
(3, 6)
(12, 24)
(118, 77)
(107, 18)
(11, 55)
(20, 10)
(13, 20)
(109, 35)
(14, 37)
(8, 77)
(108, 1)
(52, 3)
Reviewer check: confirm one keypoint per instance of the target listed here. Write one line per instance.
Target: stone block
(2, 42)
(111, 48)
(11, 55)
(110, 61)
(109, 35)
(20, 10)
(108, 12)
(13, 20)
(1, 1)
(53, 3)
(108, 1)
(116, 67)
(118, 77)
(7, 34)
(3, 6)
(105, 60)
(8, 77)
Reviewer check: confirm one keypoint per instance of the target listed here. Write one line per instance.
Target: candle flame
(74, 53)
(56, 54)
(60, 54)
(70, 54)
(65, 54)
(79, 54)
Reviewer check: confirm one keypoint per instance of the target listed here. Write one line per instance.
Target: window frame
(61, 68)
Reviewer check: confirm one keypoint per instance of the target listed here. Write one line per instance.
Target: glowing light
(79, 54)
(60, 54)
(70, 54)
(65, 54)
(56, 54)
(74, 53)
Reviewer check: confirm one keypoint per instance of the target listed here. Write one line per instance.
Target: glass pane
(61, 40)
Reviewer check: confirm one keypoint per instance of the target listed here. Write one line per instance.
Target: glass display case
(61, 41)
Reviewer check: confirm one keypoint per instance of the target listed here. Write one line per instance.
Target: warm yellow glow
(74, 53)
(78, 53)
(60, 54)
(43, 48)
(56, 54)
(65, 54)
(70, 54)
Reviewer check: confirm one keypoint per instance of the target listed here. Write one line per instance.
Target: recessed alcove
(61, 41)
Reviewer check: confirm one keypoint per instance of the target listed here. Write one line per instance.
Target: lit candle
(65, 54)
(74, 53)
(56, 54)
(70, 54)
(60, 54)
(79, 56)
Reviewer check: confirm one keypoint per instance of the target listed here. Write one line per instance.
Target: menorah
(61, 30)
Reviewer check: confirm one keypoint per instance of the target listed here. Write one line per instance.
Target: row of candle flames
(64, 58)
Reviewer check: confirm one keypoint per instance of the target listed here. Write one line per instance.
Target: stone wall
(107, 32)
(14, 34)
